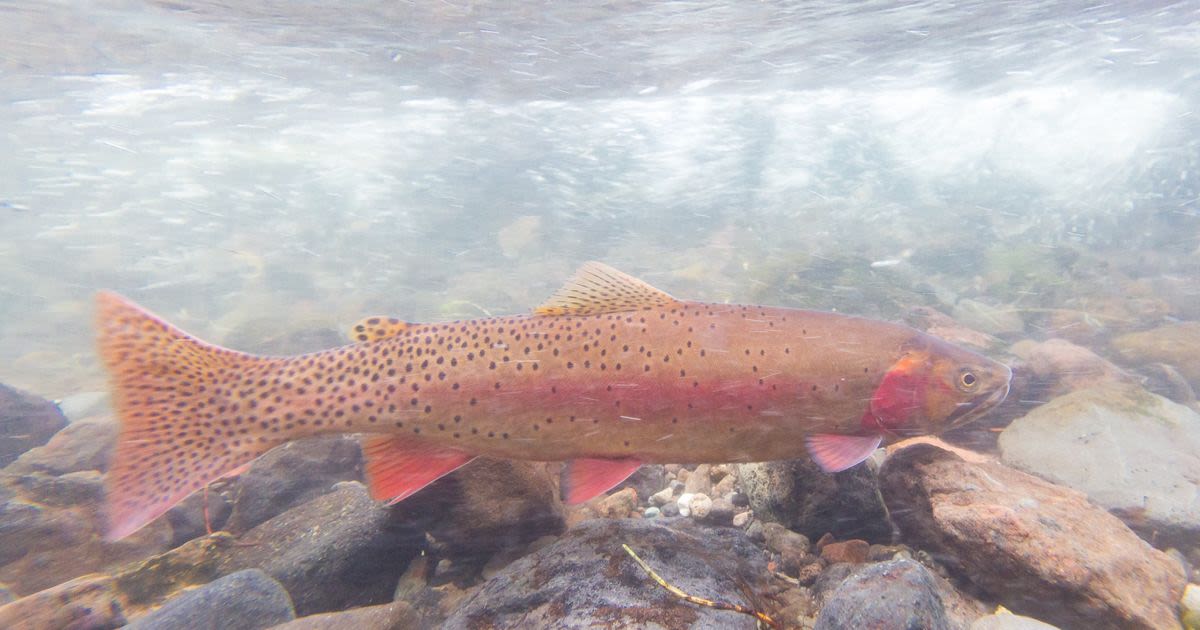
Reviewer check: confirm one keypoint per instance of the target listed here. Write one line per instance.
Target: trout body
(609, 373)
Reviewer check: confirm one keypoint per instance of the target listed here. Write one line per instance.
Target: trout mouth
(979, 405)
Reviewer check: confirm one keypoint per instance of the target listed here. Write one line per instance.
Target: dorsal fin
(376, 328)
(596, 289)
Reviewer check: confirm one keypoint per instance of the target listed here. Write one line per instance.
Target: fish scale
(610, 371)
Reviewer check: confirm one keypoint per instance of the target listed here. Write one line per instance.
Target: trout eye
(967, 380)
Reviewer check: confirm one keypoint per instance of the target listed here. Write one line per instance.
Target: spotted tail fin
(183, 409)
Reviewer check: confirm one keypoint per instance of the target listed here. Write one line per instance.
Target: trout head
(933, 387)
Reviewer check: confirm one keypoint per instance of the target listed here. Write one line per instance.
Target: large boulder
(52, 530)
(800, 496)
(27, 421)
(586, 580)
(336, 551)
(393, 616)
(1058, 366)
(87, 602)
(290, 475)
(246, 600)
(486, 506)
(84, 445)
(894, 595)
(1130, 451)
(1041, 549)
(1177, 344)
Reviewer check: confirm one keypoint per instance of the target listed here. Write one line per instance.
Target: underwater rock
(1059, 366)
(290, 475)
(1041, 549)
(28, 421)
(1130, 451)
(88, 602)
(51, 530)
(989, 319)
(698, 481)
(83, 445)
(852, 551)
(585, 580)
(802, 497)
(646, 480)
(334, 552)
(187, 518)
(486, 506)
(617, 505)
(945, 327)
(245, 600)
(393, 616)
(791, 547)
(1010, 622)
(898, 594)
(1176, 344)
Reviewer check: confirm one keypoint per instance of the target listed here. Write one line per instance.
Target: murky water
(264, 174)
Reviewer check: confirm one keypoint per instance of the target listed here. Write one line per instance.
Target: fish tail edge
(175, 401)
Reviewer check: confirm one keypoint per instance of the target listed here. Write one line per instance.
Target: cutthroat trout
(609, 373)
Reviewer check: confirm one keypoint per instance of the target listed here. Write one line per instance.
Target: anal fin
(585, 479)
(398, 467)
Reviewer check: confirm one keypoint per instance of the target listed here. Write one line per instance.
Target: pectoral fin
(585, 479)
(835, 453)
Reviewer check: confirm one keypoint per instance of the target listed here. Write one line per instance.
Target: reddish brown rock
(1059, 367)
(87, 602)
(1040, 549)
(51, 530)
(852, 551)
(1176, 344)
(618, 505)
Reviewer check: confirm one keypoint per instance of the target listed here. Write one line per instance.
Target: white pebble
(685, 503)
(700, 506)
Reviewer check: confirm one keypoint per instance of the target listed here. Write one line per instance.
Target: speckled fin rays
(167, 447)
(397, 467)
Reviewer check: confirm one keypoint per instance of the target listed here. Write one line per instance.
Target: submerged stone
(800, 496)
(586, 580)
(27, 421)
(1130, 451)
(245, 600)
(894, 595)
(1040, 549)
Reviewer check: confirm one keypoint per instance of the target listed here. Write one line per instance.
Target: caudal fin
(183, 405)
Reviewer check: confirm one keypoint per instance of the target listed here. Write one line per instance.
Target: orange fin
(376, 328)
(835, 453)
(171, 396)
(398, 467)
(596, 289)
(585, 479)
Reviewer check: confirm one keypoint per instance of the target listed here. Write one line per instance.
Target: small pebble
(739, 500)
(685, 503)
(755, 531)
(852, 551)
(670, 509)
(651, 512)
(662, 497)
(741, 519)
(700, 507)
(721, 512)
